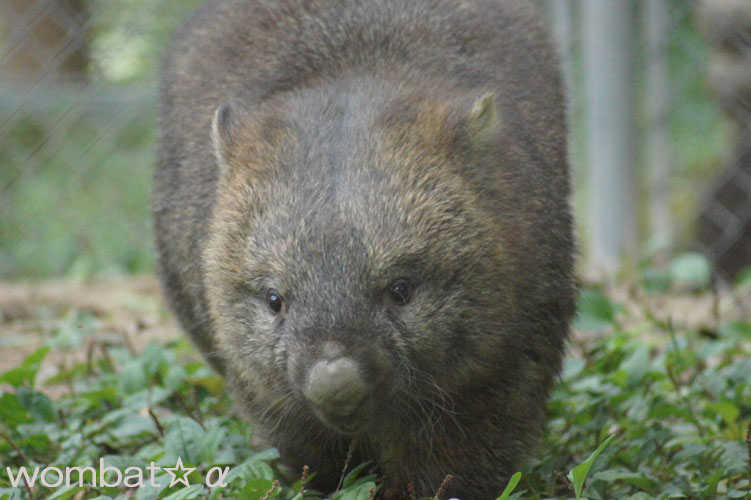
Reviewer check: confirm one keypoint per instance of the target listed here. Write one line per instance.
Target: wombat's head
(352, 268)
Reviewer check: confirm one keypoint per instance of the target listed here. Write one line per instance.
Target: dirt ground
(130, 312)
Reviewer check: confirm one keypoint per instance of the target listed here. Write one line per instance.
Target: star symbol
(183, 471)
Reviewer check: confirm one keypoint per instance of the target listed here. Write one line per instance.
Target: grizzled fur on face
(362, 220)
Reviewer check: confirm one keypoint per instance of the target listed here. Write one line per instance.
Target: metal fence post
(657, 133)
(609, 28)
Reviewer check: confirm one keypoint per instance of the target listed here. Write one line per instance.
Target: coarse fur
(356, 142)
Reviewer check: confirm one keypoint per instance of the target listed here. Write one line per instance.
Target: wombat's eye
(274, 300)
(400, 291)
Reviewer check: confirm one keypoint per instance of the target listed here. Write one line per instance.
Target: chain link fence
(660, 113)
(77, 123)
(724, 226)
(77, 126)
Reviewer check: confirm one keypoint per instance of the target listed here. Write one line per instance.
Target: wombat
(362, 220)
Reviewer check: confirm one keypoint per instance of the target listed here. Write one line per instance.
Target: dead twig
(350, 452)
(156, 422)
(304, 480)
(271, 491)
(444, 485)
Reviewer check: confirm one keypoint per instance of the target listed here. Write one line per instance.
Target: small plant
(510, 486)
(578, 474)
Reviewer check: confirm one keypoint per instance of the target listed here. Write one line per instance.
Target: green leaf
(726, 409)
(132, 425)
(152, 359)
(18, 376)
(352, 478)
(736, 329)
(691, 270)
(213, 384)
(100, 396)
(210, 442)
(595, 311)
(510, 486)
(192, 491)
(637, 479)
(10, 494)
(71, 333)
(249, 470)
(150, 492)
(26, 372)
(358, 492)
(636, 365)
(182, 438)
(743, 279)
(37, 403)
(266, 455)
(715, 348)
(12, 412)
(132, 377)
(255, 489)
(175, 377)
(34, 360)
(66, 492)
(578, 474)
(39, 444)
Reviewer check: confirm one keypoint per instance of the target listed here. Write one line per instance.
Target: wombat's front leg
(468, 456)
(324, 452)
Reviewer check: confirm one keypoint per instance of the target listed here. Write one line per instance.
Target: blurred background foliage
(77, 148)
(77, 157)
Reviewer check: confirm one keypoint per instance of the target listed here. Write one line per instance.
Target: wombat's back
(255, 49)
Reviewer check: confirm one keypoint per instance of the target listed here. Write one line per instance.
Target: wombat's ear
(224, 131)
(482, 122)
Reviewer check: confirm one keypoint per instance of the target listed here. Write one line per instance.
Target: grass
(666, 404)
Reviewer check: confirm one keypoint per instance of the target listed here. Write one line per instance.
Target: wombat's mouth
(351, 423)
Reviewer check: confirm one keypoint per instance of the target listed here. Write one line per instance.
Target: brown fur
(362, 142)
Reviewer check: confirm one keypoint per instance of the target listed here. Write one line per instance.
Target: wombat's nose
(335, 386)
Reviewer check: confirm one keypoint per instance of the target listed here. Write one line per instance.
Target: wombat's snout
(336, 386)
